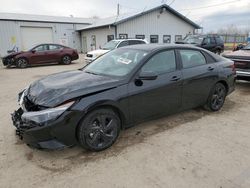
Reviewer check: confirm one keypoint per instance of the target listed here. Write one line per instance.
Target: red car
(41, 54)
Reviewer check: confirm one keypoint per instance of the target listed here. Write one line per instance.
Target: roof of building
(44, 18)
(125, 17)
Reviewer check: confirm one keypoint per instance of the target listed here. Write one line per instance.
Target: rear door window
(54, 47)
(192, 58)
(123, 43)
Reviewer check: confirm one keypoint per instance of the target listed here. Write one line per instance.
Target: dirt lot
(192, 149)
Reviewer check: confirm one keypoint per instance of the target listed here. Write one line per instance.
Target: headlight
(40, 117)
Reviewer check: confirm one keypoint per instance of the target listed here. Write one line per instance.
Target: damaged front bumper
(9, 61)
(54, 135)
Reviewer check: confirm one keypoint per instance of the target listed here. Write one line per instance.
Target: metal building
(22, 31)
(161, 24)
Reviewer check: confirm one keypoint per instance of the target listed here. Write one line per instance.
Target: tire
(99, 129)
(216, 98)
(66, 60)
(218, 52)
(22, 63)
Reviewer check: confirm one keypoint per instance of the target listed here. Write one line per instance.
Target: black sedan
(120, 89)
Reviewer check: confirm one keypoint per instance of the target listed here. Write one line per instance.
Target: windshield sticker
(124, 60)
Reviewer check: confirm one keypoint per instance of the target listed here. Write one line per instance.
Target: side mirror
(148, 75)
(33, 51)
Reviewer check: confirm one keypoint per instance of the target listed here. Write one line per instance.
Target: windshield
(110, 45)
(193, 39)
(247, 47)
(119, 62)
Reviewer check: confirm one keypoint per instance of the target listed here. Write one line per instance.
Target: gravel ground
(191, 149)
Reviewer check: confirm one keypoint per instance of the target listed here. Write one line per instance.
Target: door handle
(210, 68)
(175, 78)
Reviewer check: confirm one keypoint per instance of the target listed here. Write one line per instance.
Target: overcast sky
(210, 14)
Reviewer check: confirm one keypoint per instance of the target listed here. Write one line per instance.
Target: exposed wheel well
(225, 84)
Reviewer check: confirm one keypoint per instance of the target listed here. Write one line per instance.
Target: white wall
(63, 33)
(155, 23)
(100, 34)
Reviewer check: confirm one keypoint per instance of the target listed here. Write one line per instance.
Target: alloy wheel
(102, 131)
(218, 97)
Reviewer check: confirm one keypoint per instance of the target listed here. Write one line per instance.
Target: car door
(199, 76)
(39, 54)
(54, 53)
(153, 98)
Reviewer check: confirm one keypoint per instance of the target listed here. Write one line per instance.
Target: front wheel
(22, 63)
(99, 129)
(216, 98)
(66, 60)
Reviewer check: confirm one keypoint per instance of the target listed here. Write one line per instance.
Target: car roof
(119, 40)
(152, 47)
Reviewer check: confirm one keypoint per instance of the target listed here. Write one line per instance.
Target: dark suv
(213, 43)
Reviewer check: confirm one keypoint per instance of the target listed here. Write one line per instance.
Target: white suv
(113, 44)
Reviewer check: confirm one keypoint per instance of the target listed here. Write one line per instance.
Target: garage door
(32, 36)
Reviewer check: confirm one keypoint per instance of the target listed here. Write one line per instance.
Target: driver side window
(162, 62)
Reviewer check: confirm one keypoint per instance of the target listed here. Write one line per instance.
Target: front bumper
(8, 61)
(89, 59)
(57, 134)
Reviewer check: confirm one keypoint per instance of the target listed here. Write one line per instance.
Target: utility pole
(118, 9)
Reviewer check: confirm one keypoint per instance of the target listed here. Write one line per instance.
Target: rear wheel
(22, 63)
(66, 60)
(99, 129)
(216, 98)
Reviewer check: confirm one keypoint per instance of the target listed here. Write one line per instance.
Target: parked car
(239, 47)
(241, 60)
(212, 43)
(41, 54)
(111, 45)
(126, 86)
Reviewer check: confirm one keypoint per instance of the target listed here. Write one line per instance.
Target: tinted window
(161, 63)
(219, 40)
(154, 38)
(133, 42)
(209, 40)
(192, 58)
(123, 43)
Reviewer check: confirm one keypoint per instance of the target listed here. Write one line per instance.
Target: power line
(208, 6)
(171, 3)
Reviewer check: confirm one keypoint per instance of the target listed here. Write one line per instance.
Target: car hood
(241, 54)
(13, 54)
(98, 52)
(57, 88)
